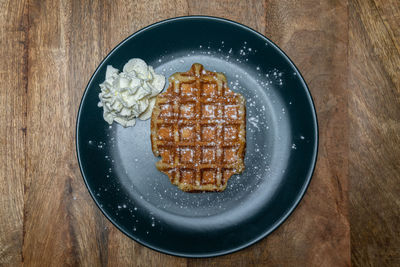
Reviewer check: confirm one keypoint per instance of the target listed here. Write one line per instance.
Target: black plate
(282, 139)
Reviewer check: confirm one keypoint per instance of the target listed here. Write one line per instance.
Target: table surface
(348, 53)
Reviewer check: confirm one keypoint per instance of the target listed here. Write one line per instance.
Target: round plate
(118, 166)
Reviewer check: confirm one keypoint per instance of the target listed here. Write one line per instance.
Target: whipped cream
(130, 94)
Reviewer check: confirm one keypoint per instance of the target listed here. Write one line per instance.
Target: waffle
(198, 127)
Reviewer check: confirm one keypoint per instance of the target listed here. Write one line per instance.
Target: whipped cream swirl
(130, 94)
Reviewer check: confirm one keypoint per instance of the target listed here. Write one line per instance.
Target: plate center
(267, 143)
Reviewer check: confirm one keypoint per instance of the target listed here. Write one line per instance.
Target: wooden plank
(49, 236)
(61, 220)
(374, 88)
(13, 65)
(314, 35)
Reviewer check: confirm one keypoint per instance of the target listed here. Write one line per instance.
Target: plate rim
(297, 199)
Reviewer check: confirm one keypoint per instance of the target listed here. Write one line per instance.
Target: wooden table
(348, 52)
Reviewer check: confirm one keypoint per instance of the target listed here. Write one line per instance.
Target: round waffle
(198, 127)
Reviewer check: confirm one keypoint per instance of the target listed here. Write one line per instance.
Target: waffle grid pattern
(198, 129)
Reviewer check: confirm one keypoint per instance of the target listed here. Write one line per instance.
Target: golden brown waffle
(198, 127)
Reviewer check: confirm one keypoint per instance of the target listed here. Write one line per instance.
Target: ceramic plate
(118, 166)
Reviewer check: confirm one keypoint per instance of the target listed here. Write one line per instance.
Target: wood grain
(13, 85)
(348, 52)
(374, 89)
